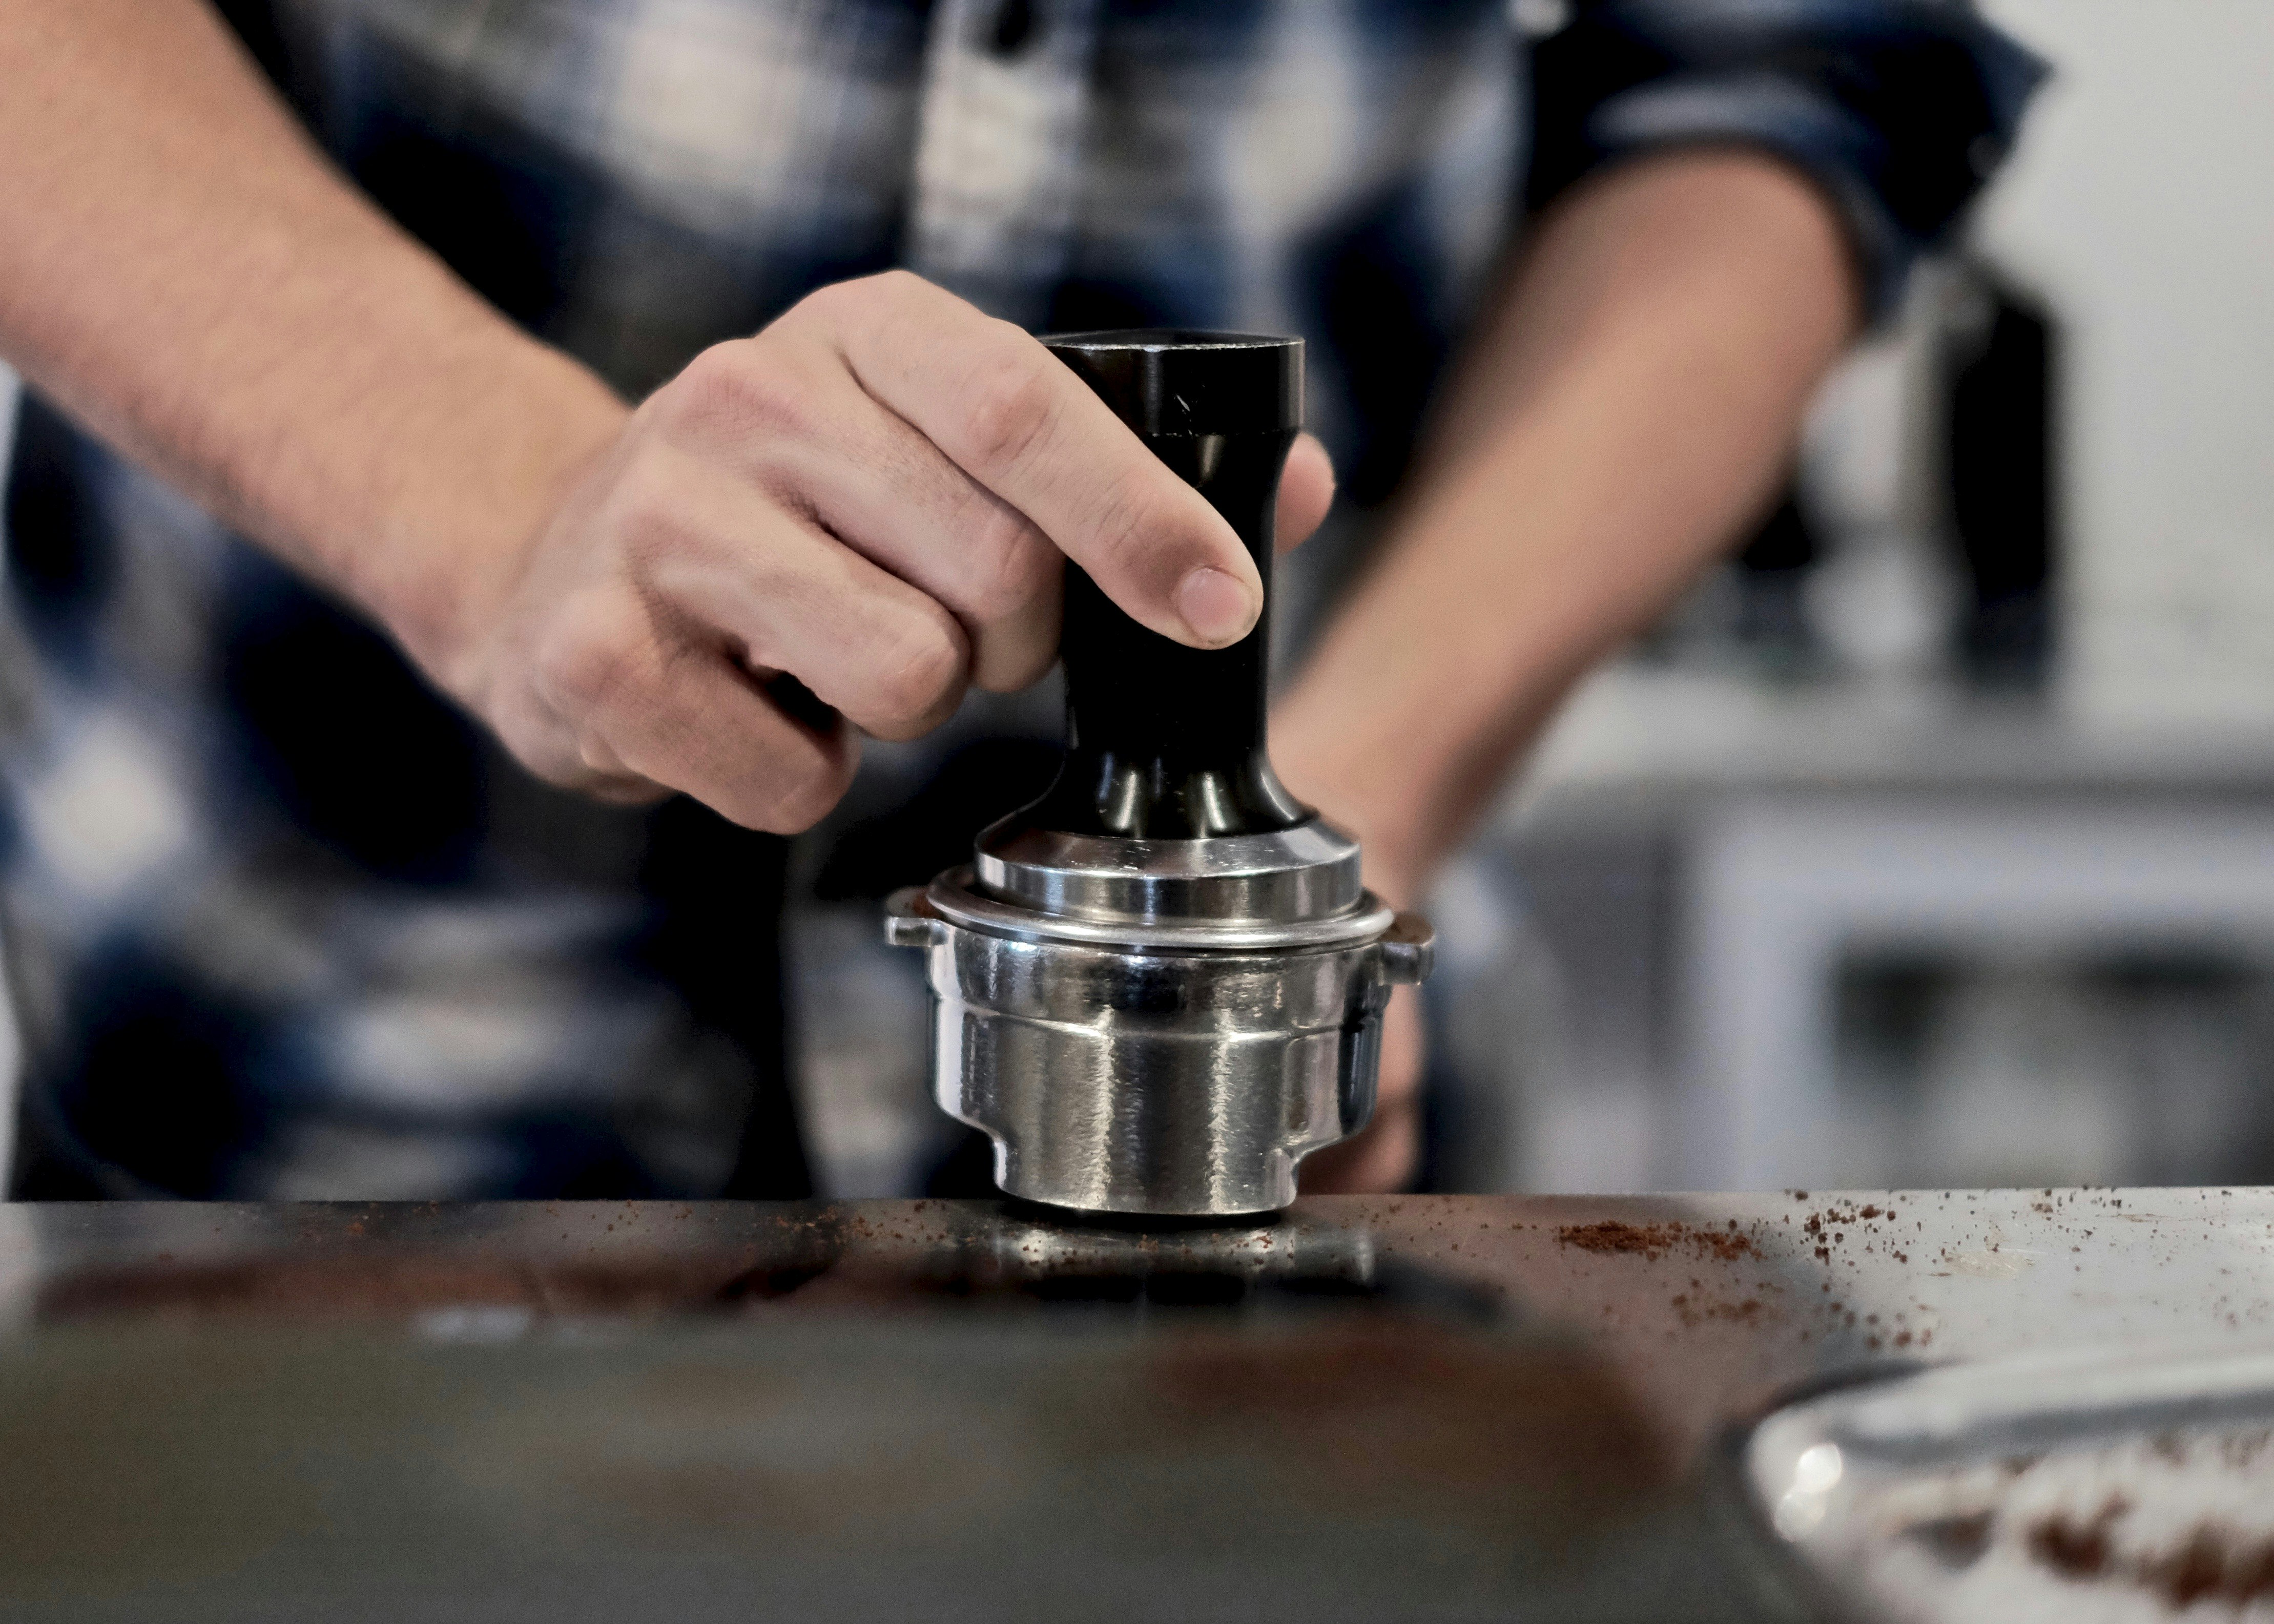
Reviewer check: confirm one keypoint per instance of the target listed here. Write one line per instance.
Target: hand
(1386, 1155)
(874, 495)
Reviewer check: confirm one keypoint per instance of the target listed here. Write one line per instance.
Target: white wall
(2141, 199)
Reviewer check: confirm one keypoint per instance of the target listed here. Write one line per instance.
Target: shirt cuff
(1899, 109)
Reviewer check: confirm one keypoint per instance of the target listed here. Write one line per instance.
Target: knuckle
(800, 782)
(744, 385)
(1011, 566)
(553, 753)
(823, 308)
(806, 796)
(595, 756)
(593, 656)
(894, 286)
(855, 295)
(623, 789)
(647, 513)
(817, 302)
(1128, 524)
(896, 281)
(924, 674)
(714, 378)
(1009, 405)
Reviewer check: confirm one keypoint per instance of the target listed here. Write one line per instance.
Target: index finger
(1013, 417)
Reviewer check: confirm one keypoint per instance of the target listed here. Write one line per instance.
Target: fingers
(877, 496)
(799, 426)
(909, 510)
(1306, 492)
(637, 715)
(703, 728)
(1007, 413)
(648, 671)
(735, 570)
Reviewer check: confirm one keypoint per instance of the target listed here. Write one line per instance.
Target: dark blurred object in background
(1995, 375)
(1772, 621)
(1965, 545)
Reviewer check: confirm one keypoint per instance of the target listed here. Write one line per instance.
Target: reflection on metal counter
(1161, 986)
(1362, 1409)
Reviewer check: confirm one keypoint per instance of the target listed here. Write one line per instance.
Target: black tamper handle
(1165, 742)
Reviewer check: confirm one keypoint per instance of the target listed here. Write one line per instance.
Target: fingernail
(1219, 608)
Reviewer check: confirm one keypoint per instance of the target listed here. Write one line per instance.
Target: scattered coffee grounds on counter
(1653, 1241)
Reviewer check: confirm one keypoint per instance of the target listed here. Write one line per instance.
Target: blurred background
(1931, 840)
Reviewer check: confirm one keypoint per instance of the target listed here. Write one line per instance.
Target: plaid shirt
(281, 924)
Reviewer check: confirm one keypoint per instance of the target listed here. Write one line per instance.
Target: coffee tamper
(1161, 986)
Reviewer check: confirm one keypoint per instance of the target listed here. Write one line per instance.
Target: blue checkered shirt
(279, 923)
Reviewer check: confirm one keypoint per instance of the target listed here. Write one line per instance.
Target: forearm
(183, 273)
(1627, 406)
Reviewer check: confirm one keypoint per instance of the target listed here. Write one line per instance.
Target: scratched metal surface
(1419, 1407)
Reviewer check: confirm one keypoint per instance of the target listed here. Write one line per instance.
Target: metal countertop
(1456, 1406)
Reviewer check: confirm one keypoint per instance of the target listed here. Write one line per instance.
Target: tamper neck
(1163, 742)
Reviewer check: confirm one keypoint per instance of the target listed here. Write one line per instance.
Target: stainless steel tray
(2079, 1486)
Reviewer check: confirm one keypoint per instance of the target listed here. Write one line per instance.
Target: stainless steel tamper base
(1150, 1039)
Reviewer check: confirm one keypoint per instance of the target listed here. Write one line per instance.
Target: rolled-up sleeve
(1900, 110)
